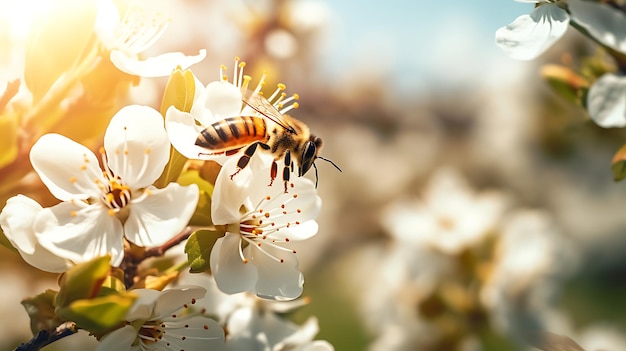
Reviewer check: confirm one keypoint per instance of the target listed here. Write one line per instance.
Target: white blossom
(606, 101)
(166, 320)
(450, 218)
(531, 35)
(602, 21)
(101, 207)
(261, 221)
(17, 219)
(141, 26)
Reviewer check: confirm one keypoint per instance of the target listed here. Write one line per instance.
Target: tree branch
(46, 337)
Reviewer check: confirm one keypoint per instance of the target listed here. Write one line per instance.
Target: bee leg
(287, 169)
(273, 172)
(245, 158)
(247, 155)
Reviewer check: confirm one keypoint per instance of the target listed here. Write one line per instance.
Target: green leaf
(41, 311)
(56, 41)
(83, 281)
(565, 82)
(8, 139)
(202, 216)
(198, 249)
(618, 165)
(100, 313)
(172, 170)
(179, 91)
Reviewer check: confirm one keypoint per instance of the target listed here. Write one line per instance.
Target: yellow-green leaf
(56, 41)
(83, 281)
(618, 165)
(565, 82)
(179, 91)
(198, 249)
(8, 139)
(202, 215)
(99, 313)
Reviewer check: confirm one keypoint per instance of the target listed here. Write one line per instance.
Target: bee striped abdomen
(232, 133)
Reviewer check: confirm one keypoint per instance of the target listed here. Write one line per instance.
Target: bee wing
(261, 105)
(547, 341)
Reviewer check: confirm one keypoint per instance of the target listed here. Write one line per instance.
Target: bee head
(309, 154)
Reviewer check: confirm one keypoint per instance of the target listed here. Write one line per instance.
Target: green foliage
(202, 216)
(83, 281)
(179, 92)
(41, 310)
(100, 313)
(198, 249)
(566, 83)
(48, 52)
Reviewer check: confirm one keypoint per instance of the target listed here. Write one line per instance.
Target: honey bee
(279, 134)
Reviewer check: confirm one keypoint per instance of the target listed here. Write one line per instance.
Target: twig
(46, 337)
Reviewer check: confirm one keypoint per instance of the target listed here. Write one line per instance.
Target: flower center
(116, 195)
(151, 332)
(260, 226)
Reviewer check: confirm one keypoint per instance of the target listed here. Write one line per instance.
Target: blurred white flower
(260, 222)
(217, 101)
(254, 323)
(606, 101)
(529, 256)
(449, 219)
(166, 320)
(141, 26)
(16, 219)
(99, 207)
(603, 22)
(530, 35)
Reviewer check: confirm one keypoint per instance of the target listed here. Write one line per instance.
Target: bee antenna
(316, 178)
(329, 161)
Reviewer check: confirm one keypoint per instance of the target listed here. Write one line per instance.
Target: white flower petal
(277, 280)
(302, 335)
(530, 35)
(157, 217)
(120, 339)
(183, 131)
(144, 305)
(80, 234)
(158, 66)
(137, 146)
(67, 168)
(318, 345)
(222, 99)
(199, 332)
(16, 219)
(297, 232)
(230, 194)
(606, 101)
(231, 274)
(602, 21)
(172, 300)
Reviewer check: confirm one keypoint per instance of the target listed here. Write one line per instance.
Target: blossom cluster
(149, 188)
(530, 35)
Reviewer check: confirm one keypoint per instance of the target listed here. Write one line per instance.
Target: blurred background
(475, 209)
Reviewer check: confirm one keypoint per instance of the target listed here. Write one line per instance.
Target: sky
(441, 42)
